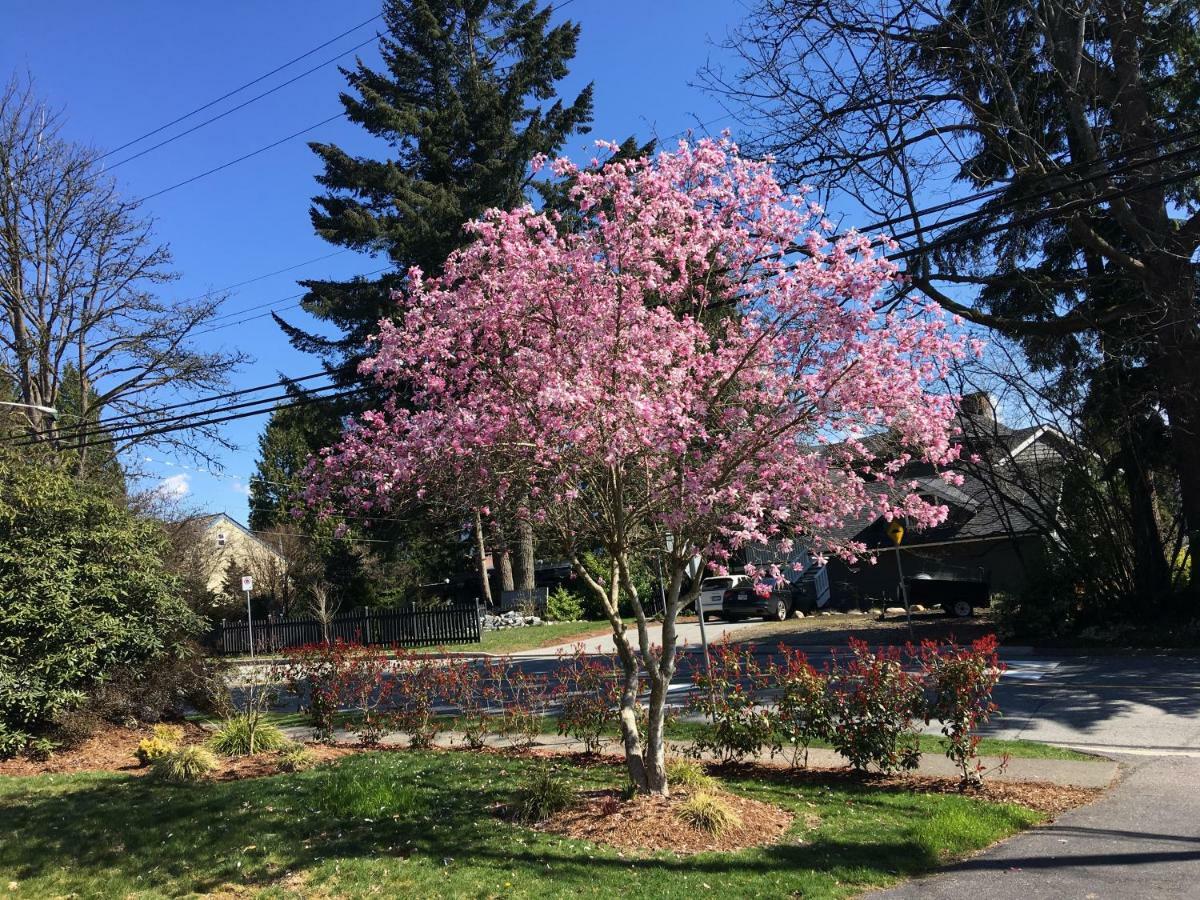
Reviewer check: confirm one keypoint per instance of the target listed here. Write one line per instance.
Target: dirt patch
(261, 765)
(646, 824)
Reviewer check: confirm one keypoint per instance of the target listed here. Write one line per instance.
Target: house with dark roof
(988, 535)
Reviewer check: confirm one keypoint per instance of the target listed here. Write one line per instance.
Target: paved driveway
(1141, 842)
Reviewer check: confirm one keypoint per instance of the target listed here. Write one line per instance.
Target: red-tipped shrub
(959, 682)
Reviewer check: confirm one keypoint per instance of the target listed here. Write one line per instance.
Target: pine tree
(461, 102)
(465, 98)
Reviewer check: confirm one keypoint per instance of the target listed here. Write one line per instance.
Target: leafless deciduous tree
(81, 278)
(1068, 127)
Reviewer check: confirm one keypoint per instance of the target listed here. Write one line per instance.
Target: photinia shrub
(340, 675)
(959, 681)
(874, 703)
(527, 697)
(420, 683)
(729, 696)
(802, 712)
(589, 688)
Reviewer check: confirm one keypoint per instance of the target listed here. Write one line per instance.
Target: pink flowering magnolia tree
(690, 368)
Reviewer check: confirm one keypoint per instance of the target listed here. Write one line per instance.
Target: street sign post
(248, 586)
(895, 532)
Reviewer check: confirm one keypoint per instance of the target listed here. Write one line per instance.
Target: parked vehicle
(712, 591)
(959, 595)
(744, 602)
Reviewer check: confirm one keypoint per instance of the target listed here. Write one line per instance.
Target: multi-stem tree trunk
(645, 755)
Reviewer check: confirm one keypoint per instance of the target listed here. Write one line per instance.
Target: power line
(1027, 198)
(242, 105)
(105, 426)
(1039, 215)
(269, 305)
(110, 431)
(241, 88)
(239, 159)
(306, 400)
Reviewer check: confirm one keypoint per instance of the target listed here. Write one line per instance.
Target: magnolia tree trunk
(524, 575)
(645, 755)
(481, 555)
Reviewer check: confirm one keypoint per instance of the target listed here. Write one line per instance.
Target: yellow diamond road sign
(895, 531)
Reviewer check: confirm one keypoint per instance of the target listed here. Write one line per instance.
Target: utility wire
(239, 159)
(1039, 215)
(306, 400)
(238, 90)
(111, 432)
(242, 105)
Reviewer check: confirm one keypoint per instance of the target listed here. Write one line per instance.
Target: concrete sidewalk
(1076, 773)
(1140, 841)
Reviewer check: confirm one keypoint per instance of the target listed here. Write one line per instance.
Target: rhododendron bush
(691, 366)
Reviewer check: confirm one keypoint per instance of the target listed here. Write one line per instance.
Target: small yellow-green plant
(689, 775)
(708, 812)
(151, 749)
(296, 758)
(185, 764)
(172, 734)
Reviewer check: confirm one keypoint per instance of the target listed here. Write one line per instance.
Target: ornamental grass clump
(689, 775)
(185, 764)
(543, 795)
(709, 812)
(247, 734)
(296, 758)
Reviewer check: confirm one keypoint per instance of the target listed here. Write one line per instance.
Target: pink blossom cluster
(692, 356)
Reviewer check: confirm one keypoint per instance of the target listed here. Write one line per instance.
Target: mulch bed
(112, 750)
(1042, 796)
(109, 750)
(649, 823)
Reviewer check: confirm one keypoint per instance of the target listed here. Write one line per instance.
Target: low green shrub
(708, 812)
(244, 734)
(185, 764)
(563, 606)
(40, 749)
(690, 775)
(544, 794)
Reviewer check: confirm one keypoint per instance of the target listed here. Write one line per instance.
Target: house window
(220, 539)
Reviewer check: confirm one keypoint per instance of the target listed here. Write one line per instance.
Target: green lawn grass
(511, 640)
(417, 824)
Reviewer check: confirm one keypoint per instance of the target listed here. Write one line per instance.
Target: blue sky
(121, 68)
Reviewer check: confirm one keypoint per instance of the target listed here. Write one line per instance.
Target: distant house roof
(209, 521)
(977, 510)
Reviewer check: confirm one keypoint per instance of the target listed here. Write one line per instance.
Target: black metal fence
(403, 627)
